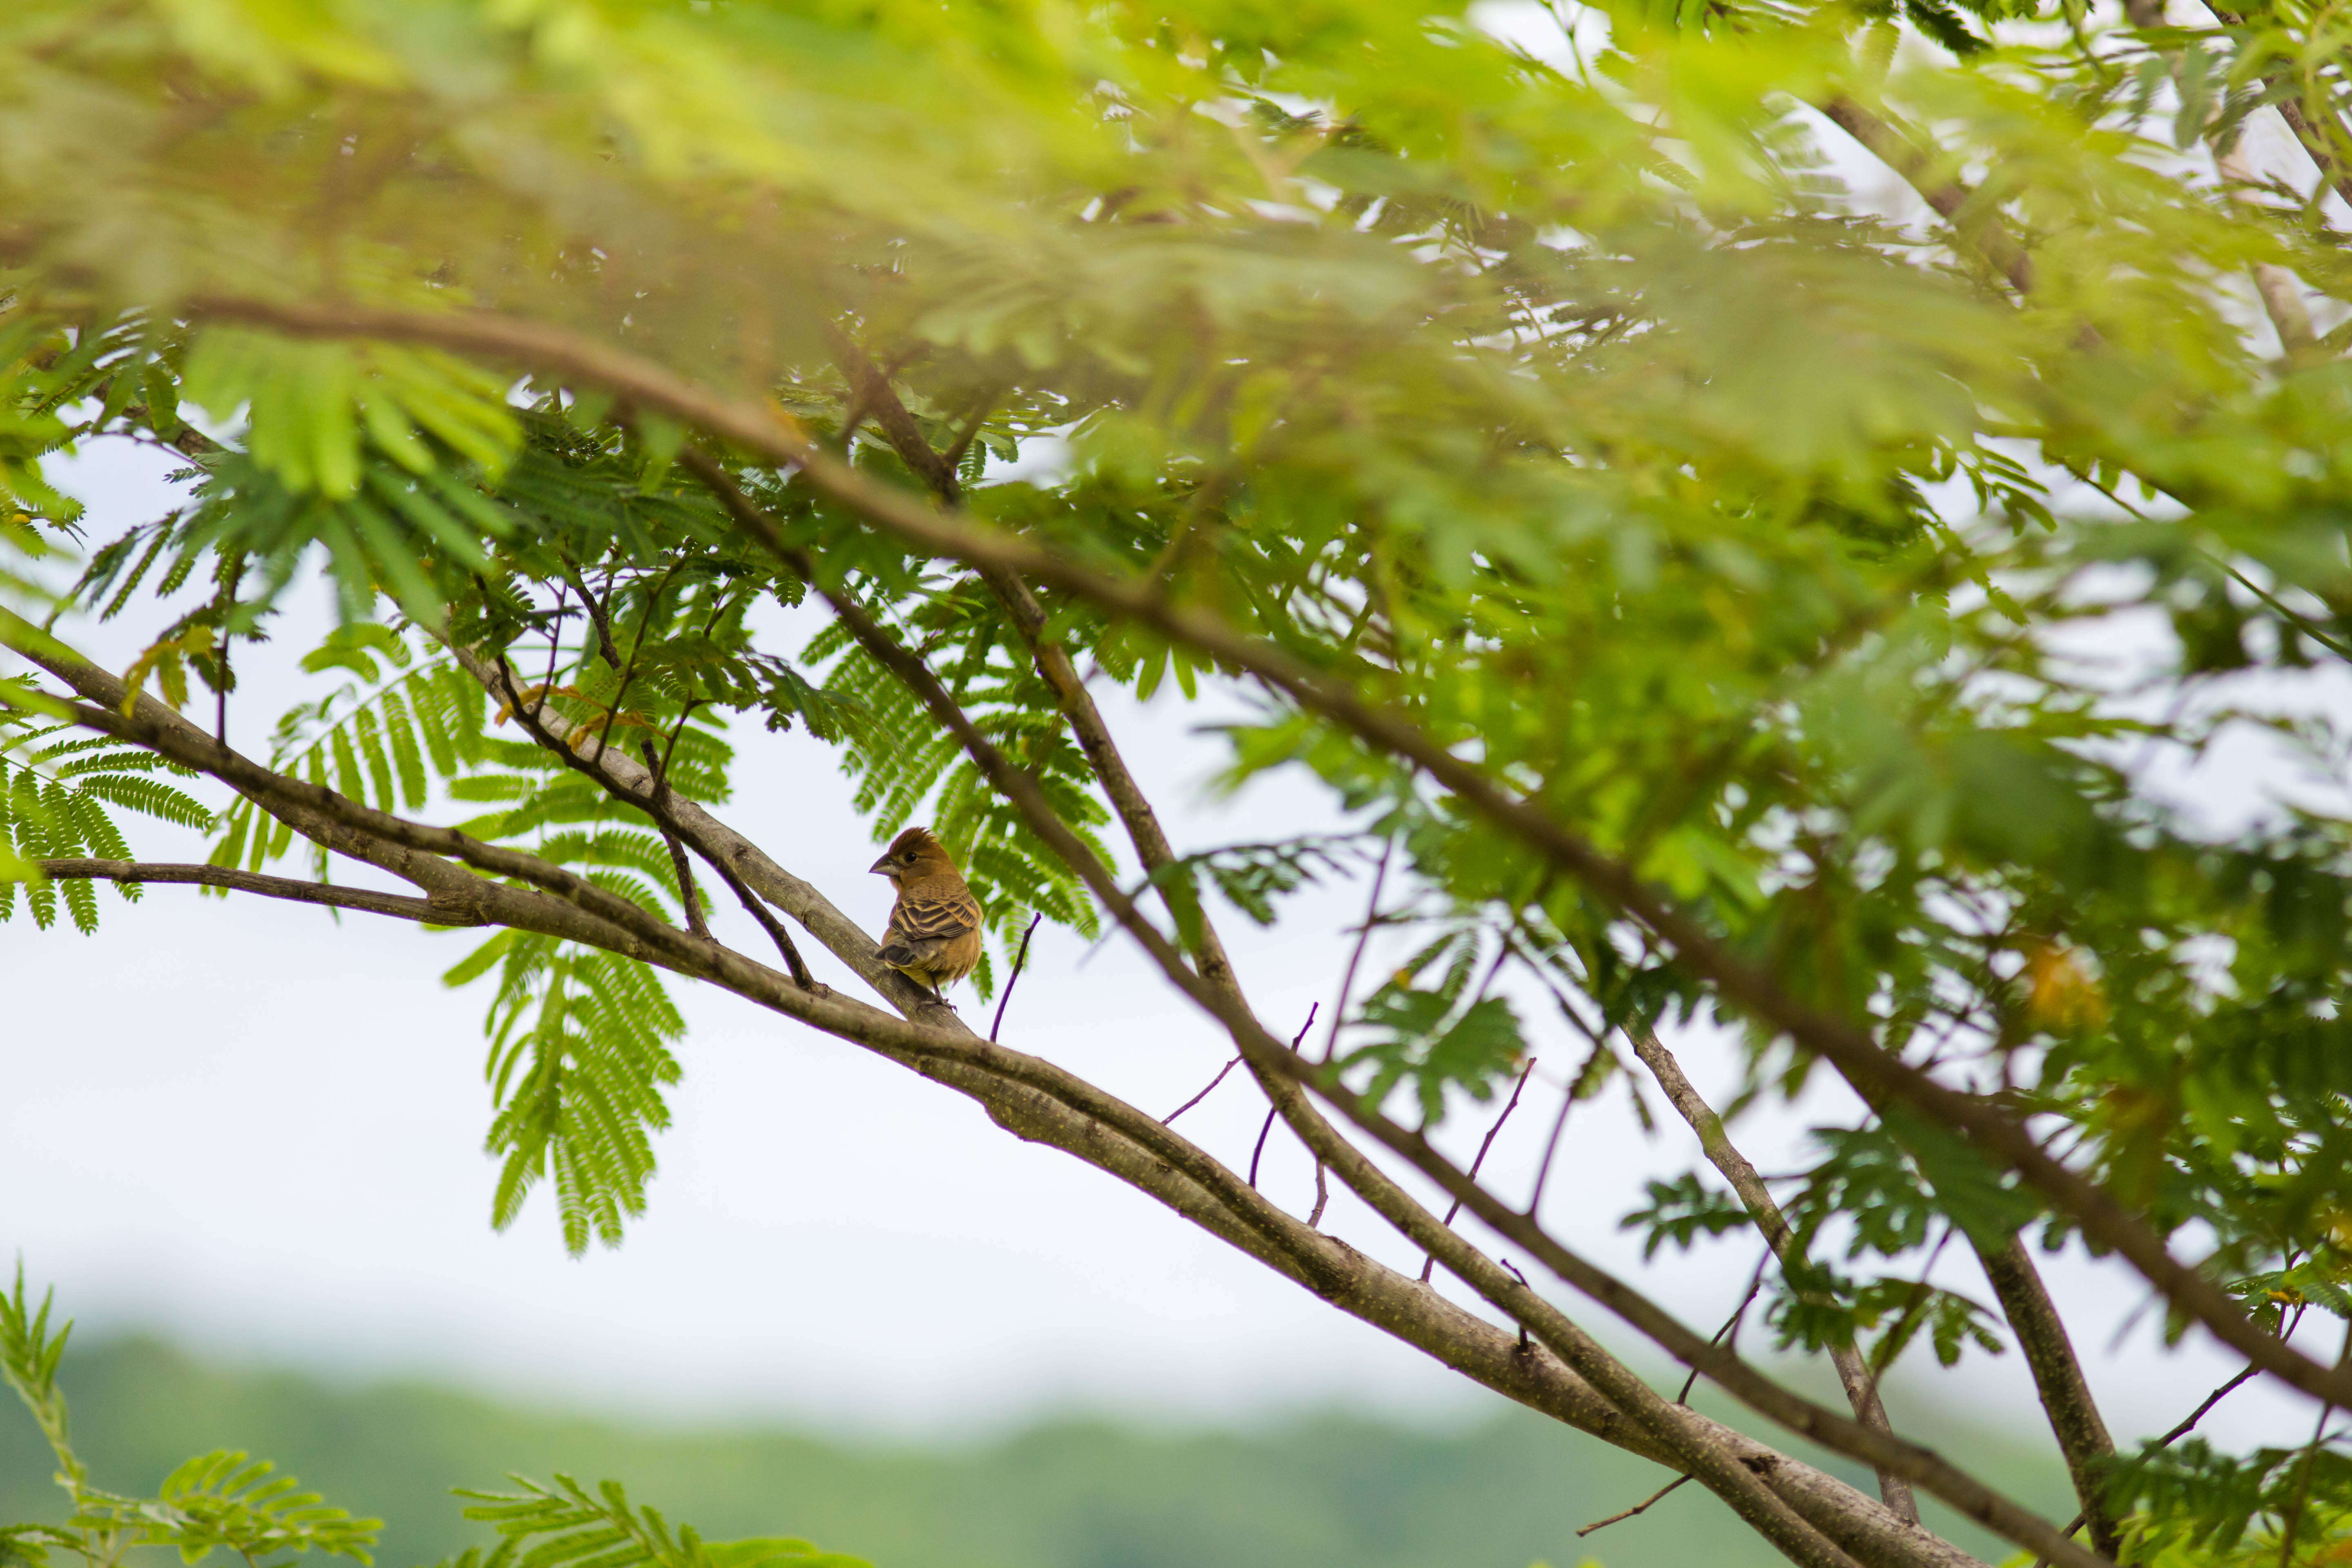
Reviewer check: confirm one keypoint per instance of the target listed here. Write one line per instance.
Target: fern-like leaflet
(567, 1526)
(217, 1500)
(58, 789)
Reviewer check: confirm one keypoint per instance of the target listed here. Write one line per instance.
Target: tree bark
(2073, 1414)
(1860, 1386)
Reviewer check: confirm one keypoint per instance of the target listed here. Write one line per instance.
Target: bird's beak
(880, 868)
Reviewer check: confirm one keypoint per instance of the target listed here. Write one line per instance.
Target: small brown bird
(934, 935)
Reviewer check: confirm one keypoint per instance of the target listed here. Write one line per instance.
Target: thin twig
(1430, 1262)
(2310, 1458)
(953, 456)
(1640, 1507)
(220, 660)
(628, 673)
(1339, 1004)
(1559, 1125)
(2166, 1441)
(1731, 1323)
(2199, 1413)
(1203, 1094)
(1356, 956)
(1256, 1153)
(554, 646)
(596, 614)
(1019, 959)
(658, 809)
(1920, 1293)
(687, 896)
(1514, 1270)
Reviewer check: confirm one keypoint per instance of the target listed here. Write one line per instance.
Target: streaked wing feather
(935, 919)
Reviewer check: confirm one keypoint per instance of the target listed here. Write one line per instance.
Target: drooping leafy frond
(59, 791)
(567, 1526)
(220, 1500)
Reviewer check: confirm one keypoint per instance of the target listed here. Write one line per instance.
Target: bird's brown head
(913, 857)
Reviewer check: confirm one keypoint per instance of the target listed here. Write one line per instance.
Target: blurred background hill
(1329, 1491)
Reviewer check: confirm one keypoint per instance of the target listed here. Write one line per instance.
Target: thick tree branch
(1861, 1387)
(448, 913)
(2002, 1140)
(2058, 1376)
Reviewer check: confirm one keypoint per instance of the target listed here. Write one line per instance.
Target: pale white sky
(240, 1125)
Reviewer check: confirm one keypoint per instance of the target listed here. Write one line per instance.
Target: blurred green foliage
(1329, 1491)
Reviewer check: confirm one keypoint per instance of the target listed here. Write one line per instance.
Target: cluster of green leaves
(1449, 1036)
(221, 1499)
(57, 785)
(1252, 877)
(227, 1501)
(2200, 1507)
(567, 1526)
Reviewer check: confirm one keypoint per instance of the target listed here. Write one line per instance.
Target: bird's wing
(923, 916)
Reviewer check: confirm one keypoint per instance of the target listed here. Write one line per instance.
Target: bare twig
(1275, 1111)
(1004, 1001)
(1356, 953)
(953, 456)
(688, 897)
(2294, 1519)
(1258, 1153)
(532, 719)
(2179, 1430)
(1203, 1094)
(1729, 1333)
(1513, 1269)
(1560, 1123)
(226, 678)
(1430, 1262)
(1853, 1372)
(1641, 1507)
(287, 887)
(2194, 1416)
(1339, 1004)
